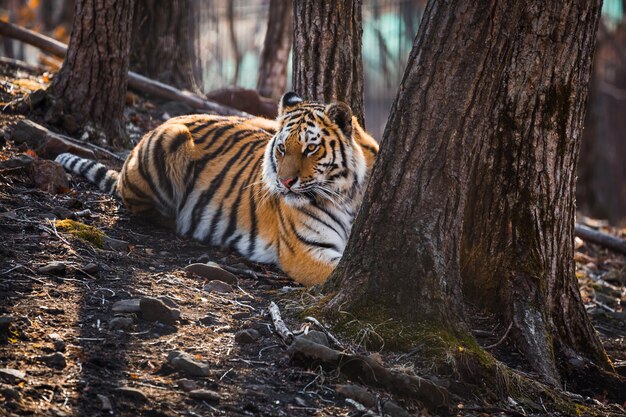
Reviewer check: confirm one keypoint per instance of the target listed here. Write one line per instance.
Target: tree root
(369, 372)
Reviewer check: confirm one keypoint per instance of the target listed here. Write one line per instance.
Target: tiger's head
(314, 154)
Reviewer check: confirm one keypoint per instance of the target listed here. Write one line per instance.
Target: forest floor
(65, 351)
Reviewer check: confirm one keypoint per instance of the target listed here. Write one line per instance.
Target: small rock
(205, 395)
(127, 306)
(105, 403)
(56, 360)
(315, 336)
(394, 410)
(9, 392)
(49, 176)
(247, 336)
(59, 344)
(132, 393)
(217, 286)
(153, 309)
(90, 268)
(208, 320)
(185, 363)
(211, 272)
(116, 244)
(187, 385)
(52, 267)
(121, 323)
(12, 375)
(63, 213)
(168, 301)
(5, 322)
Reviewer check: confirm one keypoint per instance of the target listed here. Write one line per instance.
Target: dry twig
(281, 328)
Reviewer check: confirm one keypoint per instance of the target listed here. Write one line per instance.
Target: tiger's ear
(288, 100)
(341, 114)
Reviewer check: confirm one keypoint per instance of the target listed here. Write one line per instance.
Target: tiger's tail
(105, 179)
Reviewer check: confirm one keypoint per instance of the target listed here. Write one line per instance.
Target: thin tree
(90, 88)
(164, 43)
(477, 170)
(272, 80)
(327, 62)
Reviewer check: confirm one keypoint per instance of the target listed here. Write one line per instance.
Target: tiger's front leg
(302, 266)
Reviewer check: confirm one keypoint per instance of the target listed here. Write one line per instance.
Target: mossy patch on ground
(82, 231)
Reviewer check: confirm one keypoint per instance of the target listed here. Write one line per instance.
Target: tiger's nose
(288, 182)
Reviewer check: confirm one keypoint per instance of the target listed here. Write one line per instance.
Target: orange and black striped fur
(283, 192)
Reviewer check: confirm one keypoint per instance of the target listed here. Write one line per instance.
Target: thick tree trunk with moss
(519, 222)
(476, 174)
(164, 42)
(90, 88)
(327, 64)
(273, 67)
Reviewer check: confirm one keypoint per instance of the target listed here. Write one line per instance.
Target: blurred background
(230, 37)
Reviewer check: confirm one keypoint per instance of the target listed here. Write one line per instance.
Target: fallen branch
(135, 81)
(281, 328)
(599, 238)
(506, 333)
(369, 372)
(47, 143)
(16, 63)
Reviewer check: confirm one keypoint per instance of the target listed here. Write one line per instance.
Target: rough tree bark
(164, 42)
(276, 47)
(327, 62)
(477, 164)
(90, 87)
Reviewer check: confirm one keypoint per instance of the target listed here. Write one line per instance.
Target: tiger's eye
(281, 148)
(311, 148)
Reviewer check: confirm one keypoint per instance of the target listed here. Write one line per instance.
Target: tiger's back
(205, 172)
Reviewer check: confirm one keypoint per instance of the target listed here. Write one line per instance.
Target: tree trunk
(164, 42)
(519, 223)
(273, 67)
(477, 165)
(327, 64)
(602, 173)
(232, 34)
(90, 87)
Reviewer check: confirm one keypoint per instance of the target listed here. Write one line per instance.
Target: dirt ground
(79, 357)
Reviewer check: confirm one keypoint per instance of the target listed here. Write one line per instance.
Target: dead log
(135, 81)
(49, 144)
(246, 100)
(369, 372)
(46, 143)
(599, 238)
(21, 65)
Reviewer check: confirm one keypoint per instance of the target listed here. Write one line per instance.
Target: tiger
(282, 192)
